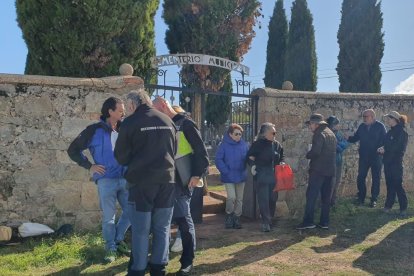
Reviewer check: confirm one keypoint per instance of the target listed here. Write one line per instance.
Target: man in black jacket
(191, 146)
(370, 135)
(322, 157)
(147, 145)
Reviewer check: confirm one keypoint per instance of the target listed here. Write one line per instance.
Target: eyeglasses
(237, 134)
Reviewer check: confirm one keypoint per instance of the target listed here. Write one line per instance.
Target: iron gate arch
(244, 105)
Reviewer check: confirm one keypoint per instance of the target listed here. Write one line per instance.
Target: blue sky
(399, 43)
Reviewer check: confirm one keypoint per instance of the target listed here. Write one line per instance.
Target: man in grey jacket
(322, 157)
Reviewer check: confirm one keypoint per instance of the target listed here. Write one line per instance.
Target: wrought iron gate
(243, 105)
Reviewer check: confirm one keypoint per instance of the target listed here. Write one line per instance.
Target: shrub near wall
(289, 110)
(39, 117)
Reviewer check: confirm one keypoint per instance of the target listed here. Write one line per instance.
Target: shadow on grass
(352, 224)
(392, 256)
(212, 235)
(92, 255)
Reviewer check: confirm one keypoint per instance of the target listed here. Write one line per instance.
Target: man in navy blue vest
(370, 134)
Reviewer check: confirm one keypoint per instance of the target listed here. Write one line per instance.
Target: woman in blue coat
(230, 161)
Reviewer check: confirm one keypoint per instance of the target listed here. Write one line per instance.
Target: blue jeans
(158, 222)
(186, 228)
(150, 209)
(110, 190)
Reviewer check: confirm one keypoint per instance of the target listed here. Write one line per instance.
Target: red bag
(284, 178)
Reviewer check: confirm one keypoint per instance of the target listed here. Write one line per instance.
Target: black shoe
(304, 226)
(323, 226)
(236, 222)
(228, 223)
(265, 227)
(185, 270)
(402, 214)
(373, 204)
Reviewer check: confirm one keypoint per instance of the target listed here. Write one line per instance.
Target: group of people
(149, 156)
(149, 163)
(377, 147)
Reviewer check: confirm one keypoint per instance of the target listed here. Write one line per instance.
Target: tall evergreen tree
(301, 60)
(276, 47)
(213, 27)
(361, 46)
(91, 38)
(219, 106)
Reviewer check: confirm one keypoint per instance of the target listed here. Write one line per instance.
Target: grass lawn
(360, 241)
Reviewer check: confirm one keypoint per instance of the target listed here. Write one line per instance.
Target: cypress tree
(276, 47)
(219, 106)
(361, 46)
(91, 38)
(213, 27)
(301, 61)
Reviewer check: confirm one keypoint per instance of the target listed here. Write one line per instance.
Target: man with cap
(322, 157)
(370, 134)
(341, 145)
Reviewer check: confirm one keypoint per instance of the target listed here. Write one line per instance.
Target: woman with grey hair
(263, 155)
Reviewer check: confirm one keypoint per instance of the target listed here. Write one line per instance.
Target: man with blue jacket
(370, 135)
(100, 139)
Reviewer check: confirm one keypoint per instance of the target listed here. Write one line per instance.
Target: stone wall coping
(112, 82)
(275, 93)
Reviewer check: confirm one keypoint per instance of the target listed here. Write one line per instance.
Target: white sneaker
(177, 246)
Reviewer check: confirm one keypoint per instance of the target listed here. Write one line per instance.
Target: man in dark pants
(370, 135)
(147, 145)
(191, 146)
(322, 157)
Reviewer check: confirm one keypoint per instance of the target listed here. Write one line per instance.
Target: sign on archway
(200, 59)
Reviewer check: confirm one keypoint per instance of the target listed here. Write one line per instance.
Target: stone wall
(288, 110)
(39, 117)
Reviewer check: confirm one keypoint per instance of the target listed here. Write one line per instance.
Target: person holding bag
(262, 156)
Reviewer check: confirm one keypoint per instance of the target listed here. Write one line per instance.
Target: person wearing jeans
(231, 162)
(110, 191)
(322, 157)
(191, 162)
(100, 139)
(147, 145)
(262, 156)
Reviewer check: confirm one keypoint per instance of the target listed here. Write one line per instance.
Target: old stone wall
(39, 117)
(288, 110)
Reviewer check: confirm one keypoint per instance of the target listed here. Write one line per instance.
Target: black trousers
(375, 164)
(318, 184)
(265, 182)
(394, 180)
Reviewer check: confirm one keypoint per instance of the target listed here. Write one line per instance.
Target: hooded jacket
(96, 138)
(231, 160)
(323, 152)
(147, 145)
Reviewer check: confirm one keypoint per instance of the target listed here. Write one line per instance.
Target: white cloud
(406, 86)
